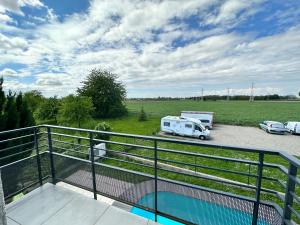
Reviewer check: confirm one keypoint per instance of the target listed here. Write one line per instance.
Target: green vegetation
(226, 112)
(75, 109)
(107, 94)
(47, 110)
(14, 113)
(143, 115)
(102, 127)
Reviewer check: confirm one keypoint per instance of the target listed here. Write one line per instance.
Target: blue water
(193, 210)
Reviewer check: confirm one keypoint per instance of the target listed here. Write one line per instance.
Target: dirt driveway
(253, 137)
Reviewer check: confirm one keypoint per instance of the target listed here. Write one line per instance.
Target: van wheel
(201, 137)
(207, 127)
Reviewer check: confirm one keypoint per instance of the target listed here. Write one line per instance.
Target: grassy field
(232, 112)
(241, 113)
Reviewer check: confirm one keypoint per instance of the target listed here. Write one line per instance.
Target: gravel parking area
(253, 137)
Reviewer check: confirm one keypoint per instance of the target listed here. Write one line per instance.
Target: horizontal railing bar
(129, 162)
(124, 144)
(19, 153)
(70, 136)
(207, 156)
(292, 159)
(294, 211)
(222, 180)
(257, 150)
(209, 168)
(106, 165)
(295, 179)
(16, 138)
(84, 153)
(127, 154)
(107, 150)
(18, 130)
(295, 197)
(20, 160)
(16, 146)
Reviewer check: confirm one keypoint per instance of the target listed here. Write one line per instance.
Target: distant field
(232, 112)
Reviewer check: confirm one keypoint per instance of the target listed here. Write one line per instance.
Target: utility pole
(251, 98)
(202, 96)
(228, 94)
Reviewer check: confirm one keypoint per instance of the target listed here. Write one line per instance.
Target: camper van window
(204, 121)
(188, 126)
(166, 124)
(198, 128)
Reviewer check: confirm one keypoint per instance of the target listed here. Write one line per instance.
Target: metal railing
(259, 182)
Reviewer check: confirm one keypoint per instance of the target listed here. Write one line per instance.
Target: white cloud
(5, 18)
(7, 72)
(123, 38)
(16, 5)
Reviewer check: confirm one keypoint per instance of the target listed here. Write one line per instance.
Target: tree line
(101, 96)
(223, 97)
(14, 114)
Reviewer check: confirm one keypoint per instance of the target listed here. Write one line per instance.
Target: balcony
(154, 179)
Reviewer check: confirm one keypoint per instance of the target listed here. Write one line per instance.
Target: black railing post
(51, 155)
(38, 159)
(289, 199)
(258, 188)
(155, 179)
(93, 164)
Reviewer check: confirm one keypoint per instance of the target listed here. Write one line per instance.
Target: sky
(157, 48)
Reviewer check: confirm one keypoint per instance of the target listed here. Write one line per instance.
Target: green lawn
(232, 112)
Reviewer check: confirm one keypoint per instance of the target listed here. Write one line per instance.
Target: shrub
(143, 115)
(102, 127)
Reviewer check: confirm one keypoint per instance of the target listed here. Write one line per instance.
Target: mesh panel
(121, 185)
(190, 204)
(19, 175)
(204, 207)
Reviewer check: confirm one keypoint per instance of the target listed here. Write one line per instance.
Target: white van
(292, 127)
(206, 118)
(184, 127)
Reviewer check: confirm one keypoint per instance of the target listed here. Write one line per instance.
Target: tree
(103, 127)
(25, 115)
(48, 109)
(107, 94)
(10, 112)
(75, 109)
(34, 99)
(143, 115)
(16, 114)
(2, 102)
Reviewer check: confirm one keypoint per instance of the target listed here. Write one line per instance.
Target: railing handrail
(284, 154)
(294, 163)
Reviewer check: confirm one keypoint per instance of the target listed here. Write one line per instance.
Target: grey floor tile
(80, 211)
(116, 216)
(39, 207)
(11, 222)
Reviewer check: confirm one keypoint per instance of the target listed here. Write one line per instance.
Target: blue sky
(158, 48)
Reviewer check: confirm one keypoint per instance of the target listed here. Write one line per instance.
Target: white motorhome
(184, 127)
(292, 127)
(206, 118)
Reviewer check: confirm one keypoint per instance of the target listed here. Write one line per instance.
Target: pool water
(191, 209)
